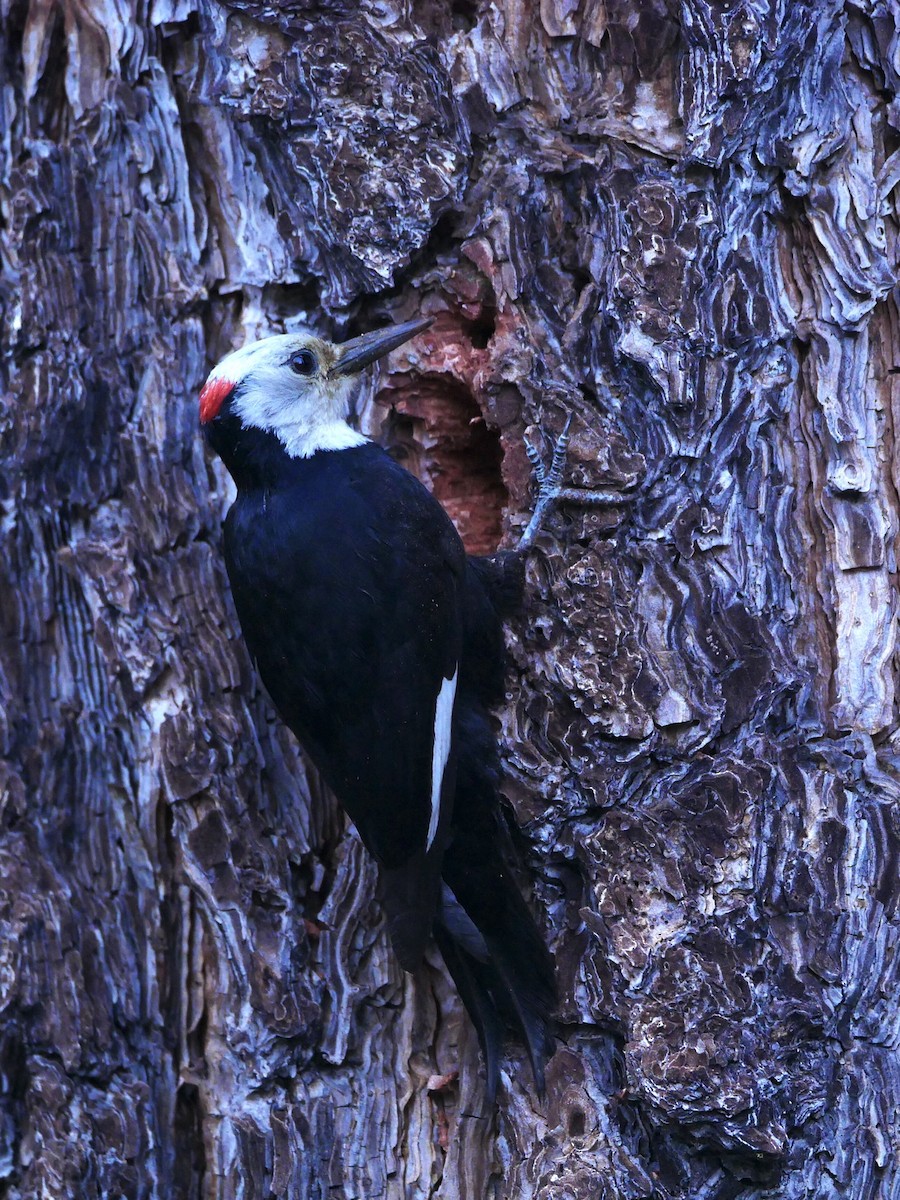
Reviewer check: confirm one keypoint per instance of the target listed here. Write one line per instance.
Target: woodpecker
(380, 642)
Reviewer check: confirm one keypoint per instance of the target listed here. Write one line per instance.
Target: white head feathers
(298, 386)
(290, 385)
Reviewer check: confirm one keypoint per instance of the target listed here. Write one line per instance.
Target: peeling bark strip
(676, 221)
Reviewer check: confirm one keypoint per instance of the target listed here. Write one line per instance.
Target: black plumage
(358, 604)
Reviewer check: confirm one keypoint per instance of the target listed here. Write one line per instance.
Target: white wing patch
(443, 723)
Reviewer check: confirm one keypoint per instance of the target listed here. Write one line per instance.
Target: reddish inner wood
(435, 427)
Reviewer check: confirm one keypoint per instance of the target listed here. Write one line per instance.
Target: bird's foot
(550, 489)
(549, 481)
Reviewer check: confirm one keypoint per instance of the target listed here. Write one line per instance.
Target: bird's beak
(352, 356)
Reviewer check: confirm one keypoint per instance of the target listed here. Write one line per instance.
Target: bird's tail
(472, 976)
(503, 973)
(486, 934)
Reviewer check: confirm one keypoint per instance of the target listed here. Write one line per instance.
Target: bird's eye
(303, 363)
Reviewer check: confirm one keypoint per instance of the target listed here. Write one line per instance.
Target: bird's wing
(354, 616)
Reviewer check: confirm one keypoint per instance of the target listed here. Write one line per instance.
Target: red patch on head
(213, 395)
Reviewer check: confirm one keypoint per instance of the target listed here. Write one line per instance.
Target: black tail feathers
(502, 970)
(472, 980)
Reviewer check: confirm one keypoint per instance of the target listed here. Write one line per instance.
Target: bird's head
(297, 386)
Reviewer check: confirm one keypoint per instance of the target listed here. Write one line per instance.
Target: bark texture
(676, 220)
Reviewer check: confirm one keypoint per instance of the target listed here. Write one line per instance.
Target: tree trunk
(678, 223)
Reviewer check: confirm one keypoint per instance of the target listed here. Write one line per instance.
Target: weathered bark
(677, 221)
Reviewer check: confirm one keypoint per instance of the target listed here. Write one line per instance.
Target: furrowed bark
(675, 222)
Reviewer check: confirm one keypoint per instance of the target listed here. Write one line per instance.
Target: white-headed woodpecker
(380, 643)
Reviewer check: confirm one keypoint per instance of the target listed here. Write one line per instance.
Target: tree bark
(675, 221)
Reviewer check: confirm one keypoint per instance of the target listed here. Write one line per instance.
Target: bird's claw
(553, 478)
(537, 463)
(550, 487)
(549, 482)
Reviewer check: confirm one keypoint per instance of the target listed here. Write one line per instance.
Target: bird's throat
(303, 441)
